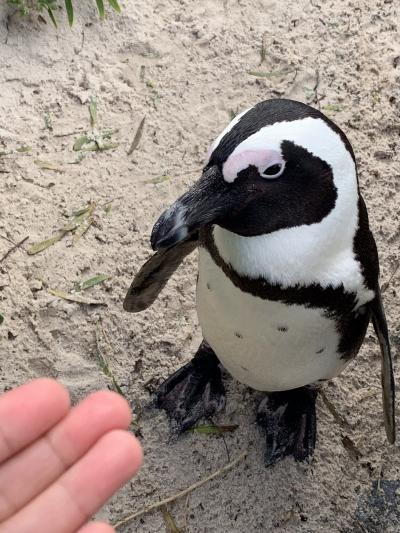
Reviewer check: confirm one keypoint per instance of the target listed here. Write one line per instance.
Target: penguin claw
(289, 421)
(195, 391)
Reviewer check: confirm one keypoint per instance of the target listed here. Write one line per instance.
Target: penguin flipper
(388, 384)
(155, 273)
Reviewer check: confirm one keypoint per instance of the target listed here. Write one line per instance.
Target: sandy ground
(184, 65)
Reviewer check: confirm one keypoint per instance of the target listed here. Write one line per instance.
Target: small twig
(295, 75)
(185, 527)
(385, 285)
(103, 362)
(75, 132)
(263, 52)
(6, 239)
(362, 526)
(110, 201)
(315, 89)
(334, 412)
(137, 137)
(82, 43)
(351, 448)
(29, 180)
(182, 493)
(169, 520)
(7, 25)
(224, 441)
(11, 250)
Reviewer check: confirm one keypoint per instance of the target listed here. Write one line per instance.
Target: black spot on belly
(282, 328)
(208, 286)
(320, 351)
(238, 335)
(244, 368)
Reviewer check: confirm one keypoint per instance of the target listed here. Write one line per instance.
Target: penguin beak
(210, 199)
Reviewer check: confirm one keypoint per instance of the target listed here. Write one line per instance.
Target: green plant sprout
(26, 6)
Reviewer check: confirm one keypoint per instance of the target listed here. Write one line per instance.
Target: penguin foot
(195, 391)
(289, 420)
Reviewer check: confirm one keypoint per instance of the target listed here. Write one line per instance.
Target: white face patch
(261, 159)
(313, 134)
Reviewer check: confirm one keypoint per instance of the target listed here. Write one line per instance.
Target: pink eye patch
(262, 159)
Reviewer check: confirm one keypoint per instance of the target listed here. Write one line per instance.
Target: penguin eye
(273, 171)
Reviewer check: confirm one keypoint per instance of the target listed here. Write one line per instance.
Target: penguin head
(277, 165)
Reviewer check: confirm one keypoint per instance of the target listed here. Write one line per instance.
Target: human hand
(58, 464)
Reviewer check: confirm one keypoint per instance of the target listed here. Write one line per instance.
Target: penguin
(288, 273)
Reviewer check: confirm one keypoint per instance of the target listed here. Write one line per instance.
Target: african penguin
(287, 274)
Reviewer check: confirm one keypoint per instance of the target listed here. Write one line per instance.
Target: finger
(81, 491)
(47, 458)
(96, 527)
(29, 411)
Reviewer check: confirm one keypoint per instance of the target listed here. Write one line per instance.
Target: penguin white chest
(267, 345)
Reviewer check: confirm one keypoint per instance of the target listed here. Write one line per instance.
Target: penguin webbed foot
(289, 421)
(194, 392)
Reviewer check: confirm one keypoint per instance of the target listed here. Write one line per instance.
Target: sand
(184, 65)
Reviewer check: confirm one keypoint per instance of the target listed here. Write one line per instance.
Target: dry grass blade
(79, 221)
(105, 368)
(260, 74)
(80, 142)
(23, 149)
(81, 212)
(74, 298)
(334, 412)
(137, 137)
(82, 229)
(91, 282)
(214, 430)
(332, 108)
(351, 448)
(183, 493)
(107, 208)
(185, 527)
(15, 247)
(47, 165)
(160, 179)
(102, 147)
(20, 150)
(385, 285)
(263, 51)
(170, 523)
(93, 111)
(43, 245)
(232, 114)
(98, 146)
(135, 423)
(95, 142)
